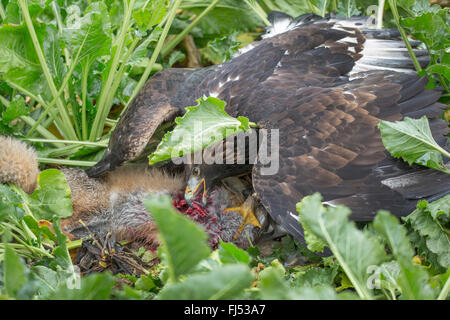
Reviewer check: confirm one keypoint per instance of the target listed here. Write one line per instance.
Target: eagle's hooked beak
(193, 189)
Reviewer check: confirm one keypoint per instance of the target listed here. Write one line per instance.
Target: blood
(200, 214)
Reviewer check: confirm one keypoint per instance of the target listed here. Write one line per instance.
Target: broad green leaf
(95, 286)
(315, 276)
(15, 109)
(273, 286)
(221, 49)
(150, 15)
(13, 14)
(61, 253)
(92, 31)
(347, 8)
(10, 204)
(18, 60)
(355, 250)
(227, 15)
(140, 53)
(201, 126)
(439, 68)
(52, 196)
(313, 242)
(53, 55)
(174, 57)
(292, 7)
(412, 279)
(431, 28)
(14, 272)
(411, 140)
(229, 253)
(424, 221)
(225, 282)
(184, 242)
(47, 280)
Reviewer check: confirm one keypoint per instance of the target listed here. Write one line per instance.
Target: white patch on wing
(401, 182)
(329, 203)
(280, 26)
(349, 40)
(293, 215)
(244, 50)
(214, 94)
(349, 93)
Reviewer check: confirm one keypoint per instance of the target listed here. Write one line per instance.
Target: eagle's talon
(247, 211)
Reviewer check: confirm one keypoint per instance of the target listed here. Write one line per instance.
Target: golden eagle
(325, 84)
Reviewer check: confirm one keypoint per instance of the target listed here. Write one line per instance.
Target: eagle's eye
(196, 171)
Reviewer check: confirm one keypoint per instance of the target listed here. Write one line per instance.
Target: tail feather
(383, 48)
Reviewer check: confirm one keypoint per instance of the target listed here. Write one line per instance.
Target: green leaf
(221, 49)
(47, 280)
(273, 286)
(228, 15)
(439, 68)
(52, 196)
(14, 272)
(10, 204)
(424, 221)
(96, 286)
(92, 30)
(313, 242)
(225, 282)
(347, 8)
(53, 55)
(355, 250)
(412, 279)
(15, 109)
(313, 277)
(18, 60)
(411, 140)
(150, 15)
(229, 253)
(201, 126)
(431, 28)
(292, 7)
(61, 253)
(184, 242)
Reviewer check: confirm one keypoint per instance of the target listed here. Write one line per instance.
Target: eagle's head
(202, 178)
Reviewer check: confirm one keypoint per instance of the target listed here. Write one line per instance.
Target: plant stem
(102, 107)
(324, 9)
(259, 11)
(58, 121)
(49, 108)
(84, 79)
(393, 5)
(445, 290)
(84, 143)
(78, 163)
(2, 11)
(67, 129)
(121, 72)
(172, 44)
(44, 132)
(380, 13)
(155, 54)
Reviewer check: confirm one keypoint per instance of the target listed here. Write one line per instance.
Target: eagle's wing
(304, 52)
(329, 143)
(149, 109)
